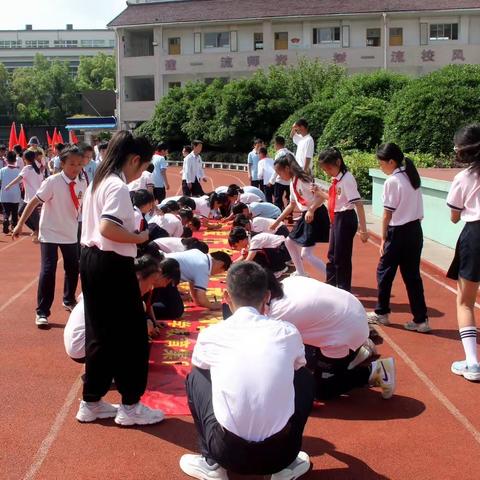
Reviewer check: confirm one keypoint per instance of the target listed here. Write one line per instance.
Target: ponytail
(331, 156)
(391, 151)
(467, 147)
(288, 160)
(29, 157)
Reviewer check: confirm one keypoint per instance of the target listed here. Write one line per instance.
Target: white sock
(307, 255)
(469, 342)
(294, 249)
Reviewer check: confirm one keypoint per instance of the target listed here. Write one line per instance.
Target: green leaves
(96, 73)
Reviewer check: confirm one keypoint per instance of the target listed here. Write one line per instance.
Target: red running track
(429, 430)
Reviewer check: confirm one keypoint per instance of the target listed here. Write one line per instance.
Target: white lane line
(47, 443)
(431, 386)
(18, 295)
(12, 244)
(232, 176)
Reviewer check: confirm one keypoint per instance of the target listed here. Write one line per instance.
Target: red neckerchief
(299, 197)
(73, 194)
(332, 198)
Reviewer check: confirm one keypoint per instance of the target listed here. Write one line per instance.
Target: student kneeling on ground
(249, 393)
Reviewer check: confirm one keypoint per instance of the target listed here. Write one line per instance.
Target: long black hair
(467, 142)
(391, 151)
(331, 156)
(29, 157)
(120, 147)
(288, 160)
(217, 198)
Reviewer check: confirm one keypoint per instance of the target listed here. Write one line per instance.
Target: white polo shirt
(192, 168)
(195, 267)
(327, 317)
(400, 198)
(261, 224)
(301, 193)
(170, 223)
(74, 332)
(248, 197)
(264, 209)
(347, 192)
(31, 181)
(266, 170)
(265, 240)
(59, 216)
(246, 189)
(170, 244)
(464, 195)
(202, 206)
(252, 360)
(305, 148)
(143, 182)
(110, 201)
(168, 199)
(275, 178)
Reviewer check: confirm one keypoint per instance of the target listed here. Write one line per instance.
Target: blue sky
(55, 14)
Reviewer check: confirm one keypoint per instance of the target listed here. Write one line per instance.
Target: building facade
(164, 44)
(19, 47)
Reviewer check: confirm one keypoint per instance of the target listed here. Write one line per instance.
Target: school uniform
(58, 229)
(464, 197)
(250, 400)
(192, 173)
(89, 170)
(74, 333)
(403, 245)
(261, 224)
(281, 187)
(174, 198)
(10, 199)
(305, 148)
(264, 209)
(252, 161)
(31, 183)
(202, 207)
(160, 165)
(343, 194)
(303, 233)
(265, 172)
(20, 162)
(246, 189)
(270, 251)
(333, 325)
(170, 223)
(170, 244)
(116, 332)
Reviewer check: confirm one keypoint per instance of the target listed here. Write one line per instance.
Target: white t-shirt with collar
(195, 267)
(31, 181)
(464, 195)
(142, 183)
(241, 351)
(347, 192)
(400, 198)
(74, 332)
(170, 223)
(276, 178)
(170, 244)
(110, 201)
(301, 193)
(265, 240)
(59, 216)
(265, 170)
(305, 148)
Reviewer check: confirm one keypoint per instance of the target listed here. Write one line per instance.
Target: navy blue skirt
(466, 263)
(308, 234)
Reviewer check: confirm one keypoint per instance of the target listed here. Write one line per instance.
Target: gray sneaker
(378, 318)
(138, 414)
(470, 373)
(423, 327)
(300, 466)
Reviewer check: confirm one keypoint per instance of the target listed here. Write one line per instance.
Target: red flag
(22, 139)
(73, 138)
(49, 139)
(59, 137)
(54, 137)
(13, 140)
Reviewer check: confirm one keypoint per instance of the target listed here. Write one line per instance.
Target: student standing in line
(314, 226)
(304, 142)
(89, 164)
(265, 172)
(61, 195)
(116, 333)
(343, 199)
(102, 149)
(32, 178)
(402, 237)
(252, 163)
(10, 198)
(281, 188)
(159, 174)
(19, 154)
(464, 202)
(249, 391)
(193, 172)
(55, 165)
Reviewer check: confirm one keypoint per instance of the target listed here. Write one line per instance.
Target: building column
(268, 38)
(159, 55)
(119, 50)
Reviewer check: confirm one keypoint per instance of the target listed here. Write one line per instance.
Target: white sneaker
(381, 319)
(298, 274)
(41, 321)
(383, 376)
(300, 466)
(470, 373)
(367, 350)
(138, 414)
(91, 411)
(423, 327)
(280, 272)
(197, 467)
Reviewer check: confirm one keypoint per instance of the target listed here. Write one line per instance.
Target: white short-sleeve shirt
(327, 317)
(400, 198)
(266, 170)
(170, 244)
(248, 198)
(168, 199)
(239, 352)
(464, 195)
(202, 207)
(305, 148)
(301, 193)
(261, 224)
(59, 216)
(13, 194)
(110, 201)
(195, 267)
(347, 192)
(31, 181)
(265, 240)
(74, 332)
(170, 223)
(142, 183)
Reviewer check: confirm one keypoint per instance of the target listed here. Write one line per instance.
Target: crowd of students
(107, 210)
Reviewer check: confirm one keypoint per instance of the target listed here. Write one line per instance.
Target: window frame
(317, 35)
(218, 39)
(379, 37)
(390, 36)
(256, 42)
(276, 39)
(454, 32)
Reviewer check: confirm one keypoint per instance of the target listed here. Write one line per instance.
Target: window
(111, 43)
(444, 31)
(139, 89)
(174, 46)
(174, 85)
(138, 43)
(93, 43)
(65, 43)
(326, 35)
(210, 80)
(373, 37)
(281, 40)
(258, 41)
(10, 44)
(396, 37)
(216, 40)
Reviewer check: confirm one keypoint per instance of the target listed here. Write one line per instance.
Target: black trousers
(116, 340)
(195, 191)
(48, 269)
(33, 220)
(167, 303)
(273, 259)
(268, 191)
(256, 183)
(342, 234)
(283, 231)
(403, 248)
(10, 211)
(278, 191)
(236, 454)
(159, 193)
(332, 377)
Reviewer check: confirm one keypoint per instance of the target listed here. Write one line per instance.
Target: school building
(163, 44)
(19, 47)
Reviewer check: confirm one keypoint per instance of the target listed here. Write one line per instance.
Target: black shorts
(308, 234)
(466, 263)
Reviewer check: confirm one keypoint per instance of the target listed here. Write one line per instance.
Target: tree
(96, 73)
(5, 93)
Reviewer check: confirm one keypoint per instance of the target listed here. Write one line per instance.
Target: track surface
(429, 430)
